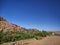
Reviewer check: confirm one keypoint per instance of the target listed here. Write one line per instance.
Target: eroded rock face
(6, 26)
(10, 27)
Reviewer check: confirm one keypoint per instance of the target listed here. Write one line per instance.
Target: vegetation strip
(15, 36)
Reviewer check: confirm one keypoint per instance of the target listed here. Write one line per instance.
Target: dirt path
(52, 40)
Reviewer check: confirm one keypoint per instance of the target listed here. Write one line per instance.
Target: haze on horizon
(40, 14)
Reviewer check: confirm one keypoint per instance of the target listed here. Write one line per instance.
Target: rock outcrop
(6, 26)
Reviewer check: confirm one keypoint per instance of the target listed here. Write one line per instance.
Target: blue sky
(40, 14)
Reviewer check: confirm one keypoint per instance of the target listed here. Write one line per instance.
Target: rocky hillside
(6, 26)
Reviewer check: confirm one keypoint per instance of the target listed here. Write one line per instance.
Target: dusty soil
(49, 40)
(52, 40)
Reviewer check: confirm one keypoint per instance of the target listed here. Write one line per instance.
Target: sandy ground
(53, 40)
(49, 40)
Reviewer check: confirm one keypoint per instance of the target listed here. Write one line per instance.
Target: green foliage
(15, 36)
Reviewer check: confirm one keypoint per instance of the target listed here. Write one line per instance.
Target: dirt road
(53, 40)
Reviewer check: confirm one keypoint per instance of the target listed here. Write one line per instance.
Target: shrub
(15, 36)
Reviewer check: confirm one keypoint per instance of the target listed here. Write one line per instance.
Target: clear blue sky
(40, 14)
